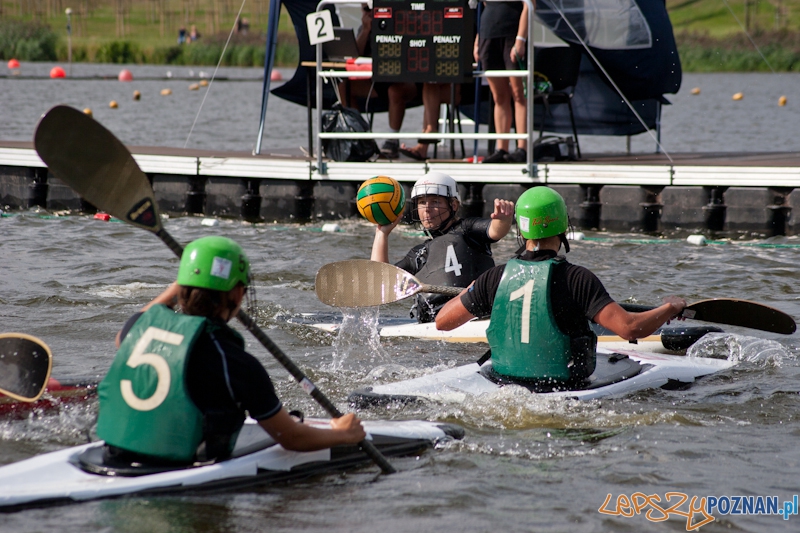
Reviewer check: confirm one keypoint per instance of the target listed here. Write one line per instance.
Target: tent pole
(269, 63)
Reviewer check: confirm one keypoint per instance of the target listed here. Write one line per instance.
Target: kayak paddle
(25, 364)
(733, 312)
(365, 283)
(90, 159)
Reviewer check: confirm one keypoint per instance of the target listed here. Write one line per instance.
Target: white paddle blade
(363, 283)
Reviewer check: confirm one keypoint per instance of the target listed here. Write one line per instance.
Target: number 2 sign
(320, 27)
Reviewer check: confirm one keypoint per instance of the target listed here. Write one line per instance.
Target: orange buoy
(166, 92)
(105, 217)
(88, 111)
(696, 90)
(125, 75)
(13, 63)
(194, 87)
(57, 72)
(738, 96)
(782, 101)
(203, 83)
(137, 95)
(275, 75)
(113, 104)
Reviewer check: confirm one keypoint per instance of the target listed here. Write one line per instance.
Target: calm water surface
(526, 464)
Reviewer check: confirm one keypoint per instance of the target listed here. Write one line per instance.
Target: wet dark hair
(207, 303)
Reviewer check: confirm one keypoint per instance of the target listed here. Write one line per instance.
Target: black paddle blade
(25, 364)
(742, 313)
(86, 156)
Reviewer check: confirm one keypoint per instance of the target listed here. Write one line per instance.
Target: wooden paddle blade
(25, 364)
(742, 313)
(363, 283)
(86, 156)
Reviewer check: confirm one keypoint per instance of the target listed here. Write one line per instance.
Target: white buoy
(331, 227)
(575, 236)
(210, 222)
(697, 240)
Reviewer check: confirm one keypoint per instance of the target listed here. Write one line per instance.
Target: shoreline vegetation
(146, 32)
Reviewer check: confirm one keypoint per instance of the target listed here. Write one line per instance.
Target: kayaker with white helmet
(181, 384)
(541, 305)
(456, 251)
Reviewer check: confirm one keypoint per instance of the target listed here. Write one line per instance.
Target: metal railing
(332, 74)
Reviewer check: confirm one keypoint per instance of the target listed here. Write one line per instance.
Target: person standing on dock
(456, 251)
(539, 328)
(181, 384)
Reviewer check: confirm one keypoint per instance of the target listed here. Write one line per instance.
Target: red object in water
(125, 75)
(57, 393)
(13, 63)
(276, 76)
(105, 217)
(57, 72)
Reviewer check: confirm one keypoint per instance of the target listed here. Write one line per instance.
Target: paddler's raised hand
(380, 246)
(502, 217)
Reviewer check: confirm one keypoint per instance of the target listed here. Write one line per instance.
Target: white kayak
(618, 372)
(665, 340)
(81, 473)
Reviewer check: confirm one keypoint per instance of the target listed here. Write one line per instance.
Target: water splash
(740, 348)
(358, 341)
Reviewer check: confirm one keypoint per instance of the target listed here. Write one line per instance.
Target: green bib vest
(523, 335)
(144, 405)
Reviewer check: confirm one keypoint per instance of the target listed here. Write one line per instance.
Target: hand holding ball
(381, 200)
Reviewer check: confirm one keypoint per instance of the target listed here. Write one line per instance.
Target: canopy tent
(631, 39)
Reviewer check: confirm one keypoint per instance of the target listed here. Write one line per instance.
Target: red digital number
(425, 23)
(437, 23)
(400, 23)
(419, 60)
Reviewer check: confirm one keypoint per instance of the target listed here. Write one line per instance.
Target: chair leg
(574, 129)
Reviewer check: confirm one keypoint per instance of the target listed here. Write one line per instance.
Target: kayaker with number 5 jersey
(456, 251)
(541, 305)
(181, 384)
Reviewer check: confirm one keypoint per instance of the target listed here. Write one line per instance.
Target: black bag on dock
(345, 119)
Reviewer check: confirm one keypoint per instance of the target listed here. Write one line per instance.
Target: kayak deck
(665, 340)
(649, 370)
(57, 478)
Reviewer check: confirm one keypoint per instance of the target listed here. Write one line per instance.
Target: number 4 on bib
(451, 263)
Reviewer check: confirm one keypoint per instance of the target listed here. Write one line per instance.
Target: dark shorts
(495, 53)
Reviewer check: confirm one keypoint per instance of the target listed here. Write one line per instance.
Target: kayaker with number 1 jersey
(541, 305)
(457, 250)
(181, 384)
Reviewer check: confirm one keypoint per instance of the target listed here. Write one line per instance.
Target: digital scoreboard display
(422, 41)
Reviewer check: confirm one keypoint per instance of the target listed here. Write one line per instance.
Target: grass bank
(709, 37)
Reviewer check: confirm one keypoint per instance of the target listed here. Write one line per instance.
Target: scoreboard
(422, 41)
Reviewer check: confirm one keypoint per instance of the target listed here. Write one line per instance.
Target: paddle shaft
(289, 365)
(441, 289)
(733, 312)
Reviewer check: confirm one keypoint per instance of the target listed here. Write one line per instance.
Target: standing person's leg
(399, 94)
(520, 120)
(431, 99)
(501, 93)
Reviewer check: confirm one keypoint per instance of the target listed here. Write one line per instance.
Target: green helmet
(541, 213)
(215, 263)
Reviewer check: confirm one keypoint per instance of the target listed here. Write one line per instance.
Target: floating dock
(752, 194)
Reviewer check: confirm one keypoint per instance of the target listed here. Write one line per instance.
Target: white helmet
(437, 184)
